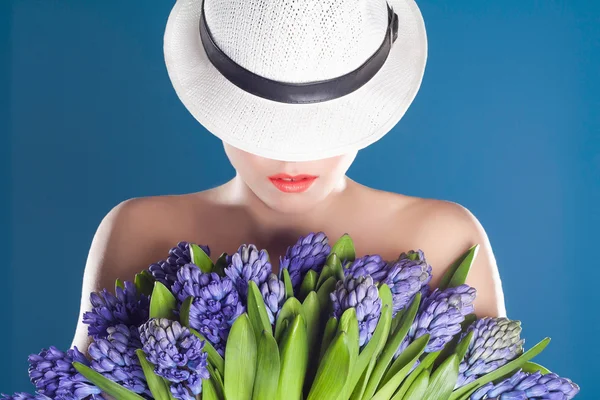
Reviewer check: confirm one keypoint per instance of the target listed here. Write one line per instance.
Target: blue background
(506, 124)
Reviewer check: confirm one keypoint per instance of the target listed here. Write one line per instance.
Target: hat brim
(295, 132)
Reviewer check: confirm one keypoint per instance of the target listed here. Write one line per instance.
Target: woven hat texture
(296, 41)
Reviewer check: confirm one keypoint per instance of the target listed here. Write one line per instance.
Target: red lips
(294, 177)
(292, 184)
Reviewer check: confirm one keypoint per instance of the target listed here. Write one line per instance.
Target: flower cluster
(248, 264)
(524, 385)
(440, 315)
(309, 253)
(127, 307)
(273, 292)
(177, 354)
(362, 294)
(215, 305)
(197, 332)
(405, 277)
(495, 342)
(372, 265)
(53, 374)
(115, 358)
(165, 271)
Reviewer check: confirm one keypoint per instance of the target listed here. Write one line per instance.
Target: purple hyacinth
(440, 315)
(177, 356)
(165, 271)
(362, 294)
(407, 276)
(309, 252)
(215, 306)
(273, 292)
(128, 307)
(53, 374)
(372, 265)
(523, 386)
(115, 358)
(24, 396)
(495, 342)
(248, 264)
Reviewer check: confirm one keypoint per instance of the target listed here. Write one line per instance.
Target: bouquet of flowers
(329, 325)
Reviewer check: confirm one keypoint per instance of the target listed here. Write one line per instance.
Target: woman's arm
(484, 274)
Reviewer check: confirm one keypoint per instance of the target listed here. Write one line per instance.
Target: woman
(294, 90)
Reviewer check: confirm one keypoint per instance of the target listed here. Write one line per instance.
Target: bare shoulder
(442, 216)
(139, 231)
(132, 222)
(134, 234)
(445, 230)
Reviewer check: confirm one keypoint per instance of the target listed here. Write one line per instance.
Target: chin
(287, 205)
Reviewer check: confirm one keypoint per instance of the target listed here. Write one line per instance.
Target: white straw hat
(296, 80)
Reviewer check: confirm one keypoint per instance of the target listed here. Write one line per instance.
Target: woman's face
(289, 187)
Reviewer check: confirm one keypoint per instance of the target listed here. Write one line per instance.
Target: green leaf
(240, 360)
(457, 273)
(289, 289)
(328, 335)
(148, 275)
(396, 320)
(369, 353)
(184, 311)
(344, 248)
(257, 311)
(119, 284)
(505, 369)
(385, 294)
(405, 361)
(326, 273)
(426, 364)
(220, 265)
(291, 308)
(333, 369)
(312, 313)
(284, 326)
(361, 386)
(294, 359)
(144, 283)
(209, 392)
(396, 366)
(157, 385)
(213, 356)
(217, 381)
(416, 391)
(349, 324)
(469, 320)
(532, 367)
(106, 385)
(443, 379)
(334, 262)
(323, 294)
(390, 348)
(460, 276)
(267, 368)
(200, 258)
(162, 302)
(463, 346)
(308, 284)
